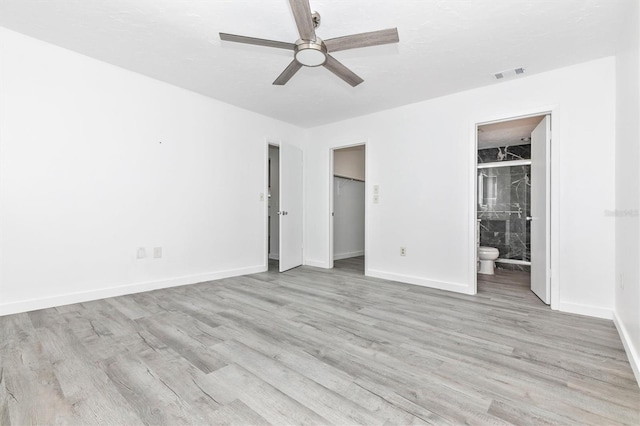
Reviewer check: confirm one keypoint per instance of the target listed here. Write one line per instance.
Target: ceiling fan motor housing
(311, 53)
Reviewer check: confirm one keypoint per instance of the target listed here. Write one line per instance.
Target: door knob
(529, 218)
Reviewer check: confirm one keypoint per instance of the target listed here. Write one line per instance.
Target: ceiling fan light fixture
(311, 54)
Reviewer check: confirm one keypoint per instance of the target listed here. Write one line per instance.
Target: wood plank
(235, 383)
(316, 397)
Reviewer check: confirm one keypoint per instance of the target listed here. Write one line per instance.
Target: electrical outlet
(376, 199)
(262, 196)
(157, 252)
(403, 251)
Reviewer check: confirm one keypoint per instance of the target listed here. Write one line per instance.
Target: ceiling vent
(508, 73)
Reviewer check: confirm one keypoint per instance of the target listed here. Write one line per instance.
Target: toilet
(487, 256)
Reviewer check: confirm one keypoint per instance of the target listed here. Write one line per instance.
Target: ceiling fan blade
(256, 41)
(373, 38)
(288, 72)
(341, 71)
(302, 14)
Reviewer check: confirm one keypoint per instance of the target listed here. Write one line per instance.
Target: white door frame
(553, 197)
(366, 202)
(265, 195)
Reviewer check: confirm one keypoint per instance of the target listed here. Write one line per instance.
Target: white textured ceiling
(445, 45)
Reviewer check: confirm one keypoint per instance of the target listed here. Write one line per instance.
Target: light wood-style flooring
(314, 346)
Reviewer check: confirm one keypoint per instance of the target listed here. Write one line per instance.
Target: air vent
(508, 73)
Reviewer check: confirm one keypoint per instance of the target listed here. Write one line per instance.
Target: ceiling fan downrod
(315, 16)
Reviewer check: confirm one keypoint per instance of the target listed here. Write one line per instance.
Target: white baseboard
(588, 310)
(407, 279)
(86, 296)
(630, 349)
(316, 263)
(274, 256)
(348, 255)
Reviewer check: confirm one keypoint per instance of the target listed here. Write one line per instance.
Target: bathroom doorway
(348, 209)
(513, 208)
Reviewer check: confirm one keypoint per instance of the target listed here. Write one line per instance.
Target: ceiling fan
(311, 51)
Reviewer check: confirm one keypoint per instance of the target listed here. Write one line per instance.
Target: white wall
(422, 155)
(627, 294)
(274, 203)
(348, 222)
(85, 181)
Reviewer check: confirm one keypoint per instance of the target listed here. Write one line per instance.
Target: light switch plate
(141, 254)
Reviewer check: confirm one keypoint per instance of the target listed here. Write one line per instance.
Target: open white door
(290, 214)
(540, 209)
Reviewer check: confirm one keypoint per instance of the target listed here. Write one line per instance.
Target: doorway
(513, 238)
(348, 208)
(273, 208)
(284, 206)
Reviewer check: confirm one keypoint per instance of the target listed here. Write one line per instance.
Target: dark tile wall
(507, 153)
(512, 267)
(508, 232)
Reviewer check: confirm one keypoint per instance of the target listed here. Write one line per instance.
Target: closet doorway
(348, 208)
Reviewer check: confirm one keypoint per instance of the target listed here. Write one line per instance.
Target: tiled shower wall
(507, 153)
(508, 232)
